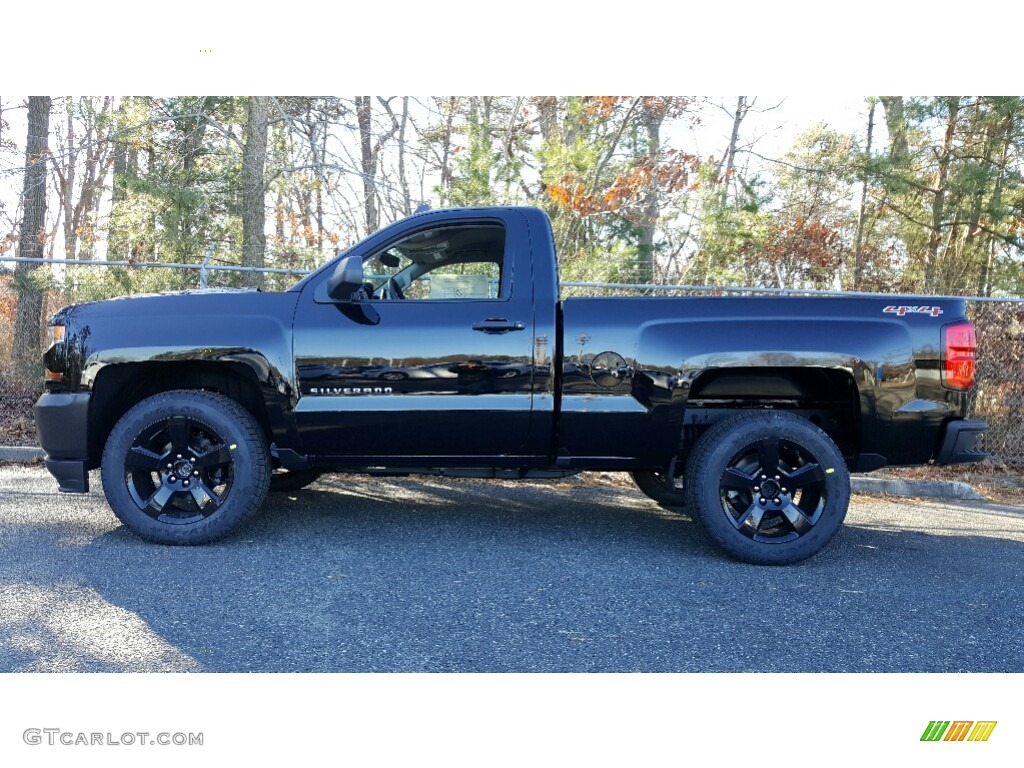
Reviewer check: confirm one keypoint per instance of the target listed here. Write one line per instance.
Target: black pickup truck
(440, 345)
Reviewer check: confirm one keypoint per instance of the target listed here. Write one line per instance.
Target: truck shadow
(357, 574)
(439, 508)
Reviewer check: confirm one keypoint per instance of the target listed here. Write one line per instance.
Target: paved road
(360, 575)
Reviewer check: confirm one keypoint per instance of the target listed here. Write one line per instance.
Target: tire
(768, 487)
(283, 481)
(655, 486)
(185, 467)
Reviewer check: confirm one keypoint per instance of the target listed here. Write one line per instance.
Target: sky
(535, 46)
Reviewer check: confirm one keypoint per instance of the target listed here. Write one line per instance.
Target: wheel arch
(119, 387)
(827, 397)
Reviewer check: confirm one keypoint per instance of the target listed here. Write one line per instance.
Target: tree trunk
(66, 190)
(254, 158)
(730, 155)
(858, 255)
(551, 135)
(364, 114)
(402, 180)
(896, 123)
(314, 211)
(939, 199)
(98, 160)
(446, 148)
(320, 182)
(33, 231)
(194, 138)
(729, 158)
(117, 244)
(145, 248)
(653, 114)
(985, 275)
(547, 118)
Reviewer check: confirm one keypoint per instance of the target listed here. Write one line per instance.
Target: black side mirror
(346, 291)
(346, 280)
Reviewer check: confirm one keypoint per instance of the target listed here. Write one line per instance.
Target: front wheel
(185, 467)
(769, 487)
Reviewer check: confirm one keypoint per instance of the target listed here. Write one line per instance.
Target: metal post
(202, 270)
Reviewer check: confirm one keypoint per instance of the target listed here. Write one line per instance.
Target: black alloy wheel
(179, 470)
(768, 487)
(185, 467)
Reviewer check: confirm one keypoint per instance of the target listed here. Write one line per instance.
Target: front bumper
(62, 425)
(956, 444)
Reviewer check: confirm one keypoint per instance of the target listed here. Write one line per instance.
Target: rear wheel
(185, 467)
(768, 487)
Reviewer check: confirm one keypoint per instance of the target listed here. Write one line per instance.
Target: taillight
(958, 347)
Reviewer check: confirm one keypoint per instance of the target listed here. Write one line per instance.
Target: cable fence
(998, 397)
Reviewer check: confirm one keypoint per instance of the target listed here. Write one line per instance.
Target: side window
(464, 261)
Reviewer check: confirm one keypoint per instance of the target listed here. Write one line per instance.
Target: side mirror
(344, 289)
(346, 280)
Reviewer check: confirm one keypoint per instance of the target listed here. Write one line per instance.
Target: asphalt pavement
(425, 574)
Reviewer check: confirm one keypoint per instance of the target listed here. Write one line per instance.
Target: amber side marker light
(56, 336)
(959, 345)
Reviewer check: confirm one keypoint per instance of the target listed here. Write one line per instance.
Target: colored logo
(958, 730)
(902, 311)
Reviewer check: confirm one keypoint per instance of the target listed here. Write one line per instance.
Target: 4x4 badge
(901, 311)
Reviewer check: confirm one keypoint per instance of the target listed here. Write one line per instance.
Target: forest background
(925, 195)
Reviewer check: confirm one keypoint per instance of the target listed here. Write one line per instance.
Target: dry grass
(17, 424)
(995, 481)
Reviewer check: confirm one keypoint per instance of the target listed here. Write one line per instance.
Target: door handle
(498, 325)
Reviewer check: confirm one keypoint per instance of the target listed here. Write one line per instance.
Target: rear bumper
(62, 425)
(956, 445)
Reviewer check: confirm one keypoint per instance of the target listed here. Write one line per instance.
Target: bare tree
(858, 252)
(398, 196)
(364, 114)
(939, 194)
(728, 160)
(254, 160)
(81, 165)
(652, 116)
(33, 231)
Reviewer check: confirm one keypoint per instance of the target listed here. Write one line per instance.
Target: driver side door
(446, 371)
